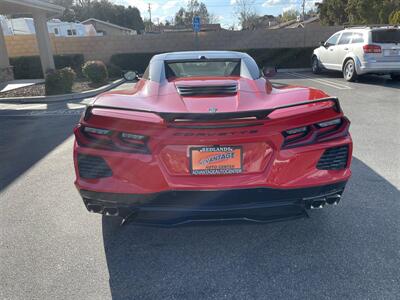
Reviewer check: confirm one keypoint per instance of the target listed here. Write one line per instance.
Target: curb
(294, 70)
(64, 97)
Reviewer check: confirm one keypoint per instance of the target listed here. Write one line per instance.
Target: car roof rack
(370, 26)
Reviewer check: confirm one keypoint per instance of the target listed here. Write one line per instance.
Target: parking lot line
(335, 85)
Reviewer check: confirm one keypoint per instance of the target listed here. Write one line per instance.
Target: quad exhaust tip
(108, 211)
(94, 208)
(320, 202)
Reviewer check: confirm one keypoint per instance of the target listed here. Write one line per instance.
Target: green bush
(26, 67)
(114, 71)
(59, 81)
(29, 67)
(95, 71)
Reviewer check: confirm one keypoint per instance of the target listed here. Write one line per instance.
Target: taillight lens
(314, 133)
(329, 123)
(372, 49)
(97, 131)
(106, 139)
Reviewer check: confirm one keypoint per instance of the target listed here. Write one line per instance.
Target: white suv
(358, 51)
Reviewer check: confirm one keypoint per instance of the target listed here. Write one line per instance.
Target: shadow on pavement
(347, 251)
(26, 140)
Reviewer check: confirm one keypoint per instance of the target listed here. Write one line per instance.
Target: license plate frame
(216, 160)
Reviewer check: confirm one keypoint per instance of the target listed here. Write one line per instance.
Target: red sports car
(205, 136)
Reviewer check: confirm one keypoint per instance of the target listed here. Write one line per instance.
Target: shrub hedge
(59, 81)
(29, 67)
(281, 58)
(95, 71)
(114, 71)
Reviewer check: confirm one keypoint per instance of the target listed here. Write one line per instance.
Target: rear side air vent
(92, 167)
(334, 158)
(227, 89)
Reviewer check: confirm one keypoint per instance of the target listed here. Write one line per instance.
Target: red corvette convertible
(205, 136)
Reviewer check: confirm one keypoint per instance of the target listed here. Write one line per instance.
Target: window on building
(71, 32)
(56, 32)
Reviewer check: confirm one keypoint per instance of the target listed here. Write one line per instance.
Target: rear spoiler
(258, 114)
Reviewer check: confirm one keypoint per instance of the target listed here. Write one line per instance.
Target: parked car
(204, 136)
(358, 51)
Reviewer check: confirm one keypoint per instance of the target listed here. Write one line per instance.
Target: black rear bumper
(177, 207)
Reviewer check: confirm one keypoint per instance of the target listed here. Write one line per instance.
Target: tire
(316, 69)
(395, 77)
(349, 71)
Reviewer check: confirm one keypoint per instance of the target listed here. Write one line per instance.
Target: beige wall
(103, 47)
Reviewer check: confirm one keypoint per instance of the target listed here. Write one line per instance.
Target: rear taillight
(106, 139)
(314, 133)
(372, 49)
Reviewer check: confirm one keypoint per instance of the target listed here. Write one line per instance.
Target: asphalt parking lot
(52, 248)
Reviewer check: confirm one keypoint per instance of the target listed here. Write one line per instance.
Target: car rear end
(381, 52)
(131, 162)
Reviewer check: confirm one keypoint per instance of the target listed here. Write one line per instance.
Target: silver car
(360, 50)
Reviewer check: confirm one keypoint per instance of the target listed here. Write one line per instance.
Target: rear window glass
(386, 36)
(200, 68)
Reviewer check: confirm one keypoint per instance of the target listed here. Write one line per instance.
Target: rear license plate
(216, 160)
(391, 52)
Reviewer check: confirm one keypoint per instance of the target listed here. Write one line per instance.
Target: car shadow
(29, 138)
(341, 251)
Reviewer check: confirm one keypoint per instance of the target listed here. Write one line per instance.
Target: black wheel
(349, 71)
(315, 65)
(395, 76)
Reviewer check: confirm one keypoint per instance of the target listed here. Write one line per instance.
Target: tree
(69, 13)
(333, 12)
(180, 17)
(213, 19)
(289, 15)
(244, 11)
(194, 8)
(394, 18)
(102, 10)
(339, 12)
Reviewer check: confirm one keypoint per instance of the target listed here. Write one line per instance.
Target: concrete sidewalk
(64, 97)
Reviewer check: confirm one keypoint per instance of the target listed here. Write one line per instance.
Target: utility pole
(304, 24)
(149, 10)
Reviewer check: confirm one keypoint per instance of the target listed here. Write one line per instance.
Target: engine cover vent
(227, 89)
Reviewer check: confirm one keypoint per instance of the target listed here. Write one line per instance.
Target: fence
(102, 47)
